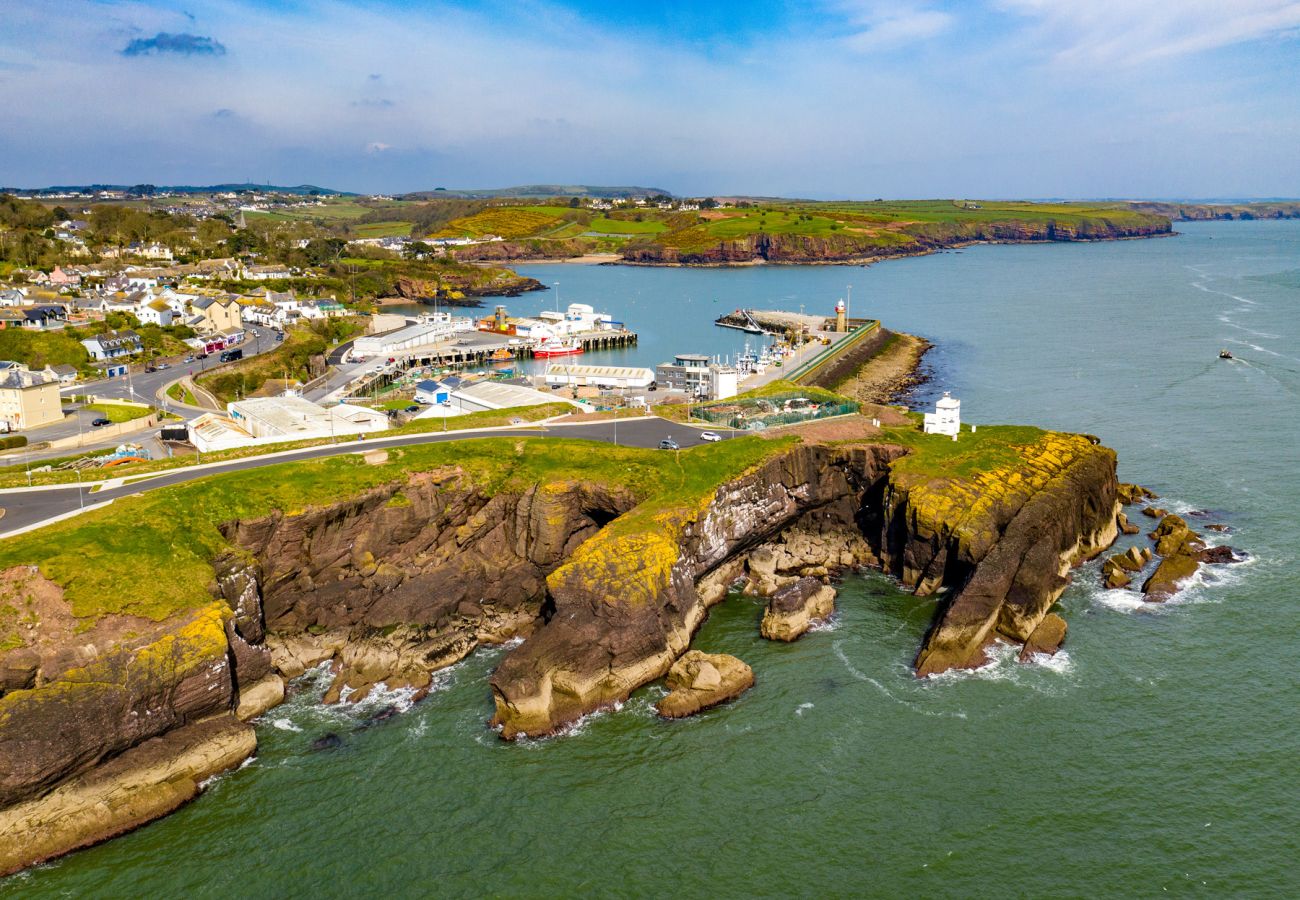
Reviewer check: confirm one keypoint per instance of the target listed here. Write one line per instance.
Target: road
(27, 507)
(141, 387)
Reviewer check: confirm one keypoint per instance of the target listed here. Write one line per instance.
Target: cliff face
(626, 605)
(1004, 541)
(103, 730)
(908, 240)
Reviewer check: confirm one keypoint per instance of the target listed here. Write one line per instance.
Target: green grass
(181, 394)
(16, 475)
(939, 456)
(625, 226)
(37, 349)
(120, 412)
(106, 568)
(382, 229)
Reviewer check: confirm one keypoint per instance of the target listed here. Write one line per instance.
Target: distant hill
(177, 189)
(538, 190)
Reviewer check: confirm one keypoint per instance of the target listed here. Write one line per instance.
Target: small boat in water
(501, 354)
(557, 348)
(1224, 354)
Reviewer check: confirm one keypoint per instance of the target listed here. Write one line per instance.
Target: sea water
(1156, 754)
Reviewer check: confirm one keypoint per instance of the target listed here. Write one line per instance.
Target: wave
(862, 676)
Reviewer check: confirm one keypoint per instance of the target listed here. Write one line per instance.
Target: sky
(815, 99)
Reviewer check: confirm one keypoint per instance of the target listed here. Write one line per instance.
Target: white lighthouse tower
(946, 418)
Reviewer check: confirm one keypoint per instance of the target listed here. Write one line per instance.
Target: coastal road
(26, 507)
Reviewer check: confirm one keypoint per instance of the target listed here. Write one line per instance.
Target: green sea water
(1156, 754)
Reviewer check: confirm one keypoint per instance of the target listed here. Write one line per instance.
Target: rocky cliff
(103, 729)
(907, 240)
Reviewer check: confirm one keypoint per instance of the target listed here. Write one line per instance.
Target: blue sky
(824, 98)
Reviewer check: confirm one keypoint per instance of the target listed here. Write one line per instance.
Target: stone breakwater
(103, 731)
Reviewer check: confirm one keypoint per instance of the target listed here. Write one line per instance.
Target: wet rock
(794, 608)
(1047, 638)
(1154, 512)
(1130, 494)
(1115, 575)
(1169, 576)
(1125, 526)
(1174, 538)
(1219, 555)
(1222, 529)
(700, 680)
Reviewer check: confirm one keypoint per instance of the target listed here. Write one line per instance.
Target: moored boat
(557, 348)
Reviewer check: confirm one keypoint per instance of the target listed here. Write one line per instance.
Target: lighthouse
(841, 317)
(946, 418)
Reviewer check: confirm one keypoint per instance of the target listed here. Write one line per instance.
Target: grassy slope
(151, 555)
(120, 412)
(851, 228)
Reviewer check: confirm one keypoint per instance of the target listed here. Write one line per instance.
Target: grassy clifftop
(151, 555)
(790, 231)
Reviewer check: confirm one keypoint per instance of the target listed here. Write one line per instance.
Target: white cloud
(1133, 32)
(887, 26)
(377, 147)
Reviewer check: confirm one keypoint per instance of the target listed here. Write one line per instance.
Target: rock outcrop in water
(698, 681)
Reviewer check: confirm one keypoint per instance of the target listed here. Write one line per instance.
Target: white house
(155, 312)
(946, 418)
(112, 344)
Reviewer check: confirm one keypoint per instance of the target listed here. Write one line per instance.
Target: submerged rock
(700, 680)
(794, 608)
(1219, 555)
(1154, 512)
(327, 742)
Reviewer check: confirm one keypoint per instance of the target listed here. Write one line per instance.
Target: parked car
(203, 355)
(190, 358)
(162, 366)
(413, 408)
(710, 436)
(668, 444)
(151, 368)
(100, 421)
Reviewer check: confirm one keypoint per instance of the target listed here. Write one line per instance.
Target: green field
(625, 226)
(382, 229)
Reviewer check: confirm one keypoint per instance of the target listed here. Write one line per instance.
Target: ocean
(1155, 754)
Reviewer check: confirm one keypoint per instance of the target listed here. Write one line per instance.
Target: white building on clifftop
(946, 418)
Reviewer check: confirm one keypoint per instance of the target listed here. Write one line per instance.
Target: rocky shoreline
(408, 577)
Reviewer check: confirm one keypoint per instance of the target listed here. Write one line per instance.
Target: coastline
(614, 259)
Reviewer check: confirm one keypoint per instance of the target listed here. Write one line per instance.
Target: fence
(757, 413)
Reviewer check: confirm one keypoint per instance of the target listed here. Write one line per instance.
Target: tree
(708, 203)
(575, 202)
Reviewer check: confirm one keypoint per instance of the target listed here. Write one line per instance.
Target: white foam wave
(830, 623)
(284, 725)
(862, 676)
(801, 708)
(1203, 587)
